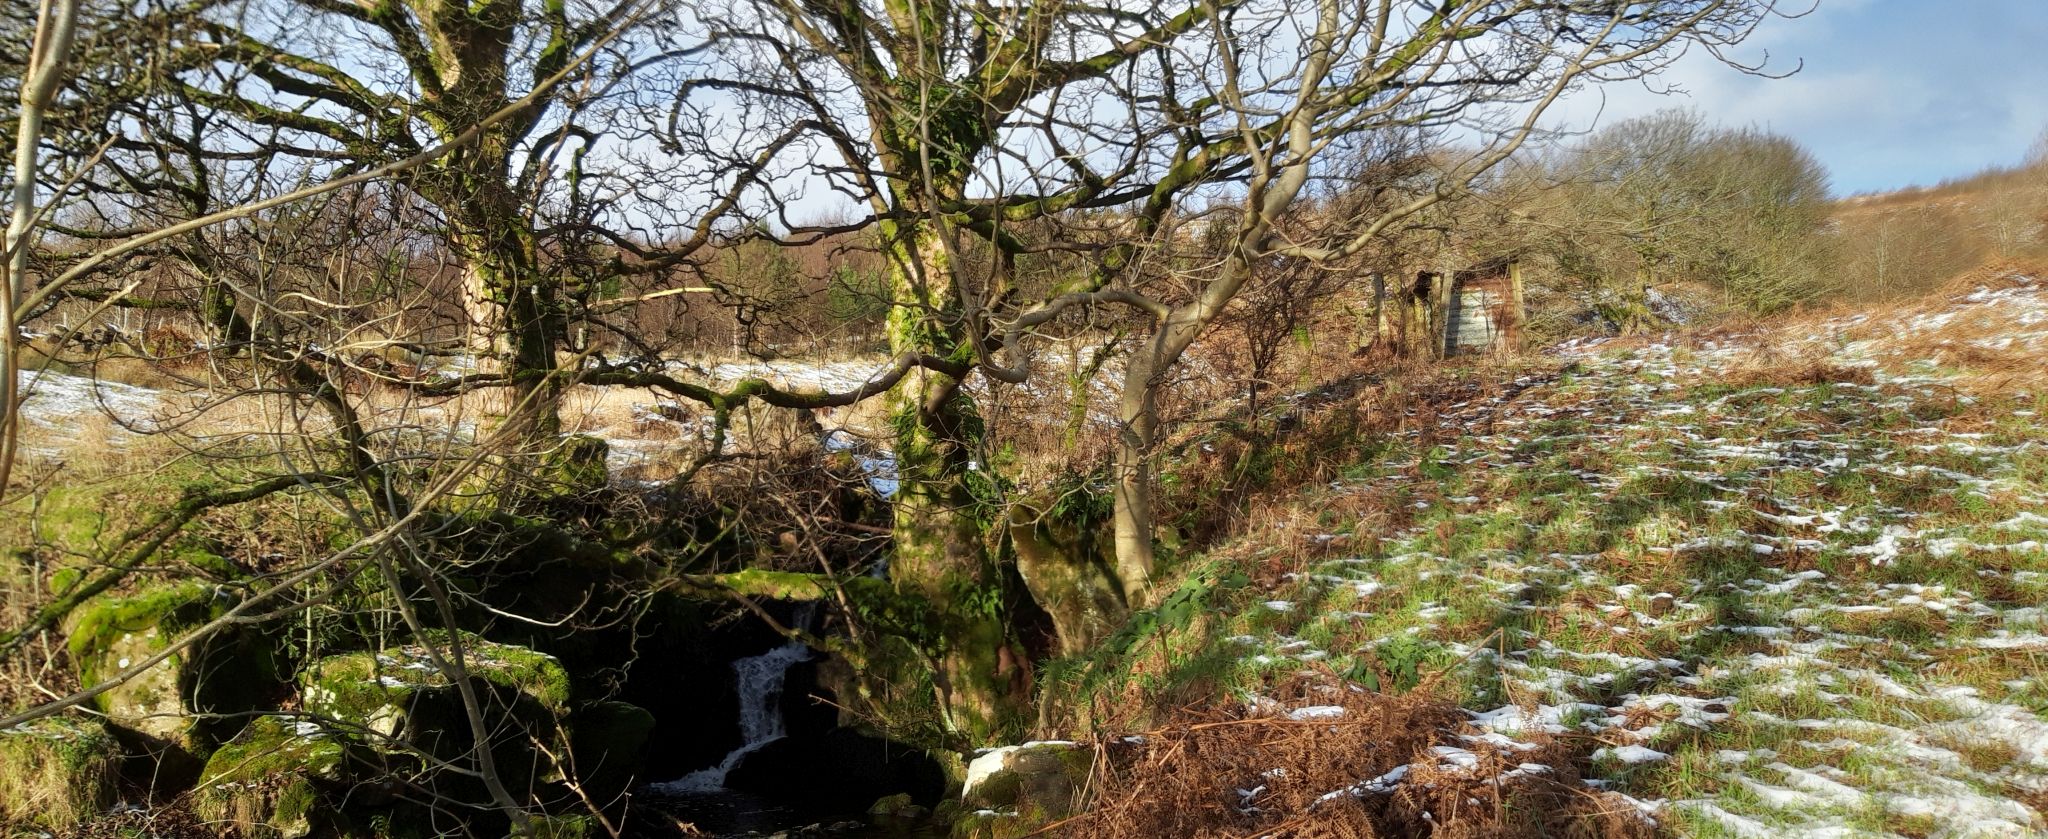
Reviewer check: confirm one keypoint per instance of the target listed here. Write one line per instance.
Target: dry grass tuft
(1190, 779)
(1241, 479)
(1996, 275)
(1801, 367)
(165, 820)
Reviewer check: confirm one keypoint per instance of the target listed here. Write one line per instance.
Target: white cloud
(1890, 93)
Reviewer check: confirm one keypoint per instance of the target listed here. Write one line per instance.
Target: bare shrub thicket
(1668, 200)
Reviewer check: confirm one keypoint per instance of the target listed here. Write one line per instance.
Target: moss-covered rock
(275, 779)
(1039, 781)
(56, 772)
(992, 824)
(358, 686)
(577, 466)
(773, 585)
(897, 811)
(1068, 571)
(111, 634)
(397, 696)
(187, 701)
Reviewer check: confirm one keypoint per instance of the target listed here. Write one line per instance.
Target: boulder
(56, 772)
(577, 467)
(371, 716)
(991, 824)
(898, 810)
(1040, 781)
(397, 696)
(279, 779)
(379, 687)
(189, 701)
(607, 741)
(1069, 573)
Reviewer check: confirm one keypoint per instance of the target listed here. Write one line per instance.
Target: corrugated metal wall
(1469, 326)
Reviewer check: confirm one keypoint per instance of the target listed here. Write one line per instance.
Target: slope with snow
(1783, 583)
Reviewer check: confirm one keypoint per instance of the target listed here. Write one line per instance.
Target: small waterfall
(759, 679)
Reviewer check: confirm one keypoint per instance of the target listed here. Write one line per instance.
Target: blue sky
(1893, 93)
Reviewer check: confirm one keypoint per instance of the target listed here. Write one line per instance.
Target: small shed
(1483, 310)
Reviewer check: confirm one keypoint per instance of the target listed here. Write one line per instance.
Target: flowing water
(759, 679)
(701, 797)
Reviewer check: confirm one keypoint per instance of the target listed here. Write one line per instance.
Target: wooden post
(1402, 296)
(1446, 285)
(1379, 309)
(1517, 311)
(1418, 326)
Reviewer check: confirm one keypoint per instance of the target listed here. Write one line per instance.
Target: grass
(1708, 522)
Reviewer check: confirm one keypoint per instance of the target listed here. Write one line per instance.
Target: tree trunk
(514, 326)
(938, 545)
(1137, 428)
(513, 317)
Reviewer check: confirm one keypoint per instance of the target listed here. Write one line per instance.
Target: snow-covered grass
(1783, 583)
(63, 411)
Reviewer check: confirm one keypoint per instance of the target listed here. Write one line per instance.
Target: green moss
(775, 585)
(535, 674)
(63, 579)
(991, 824)
(57, 772)
(98, 627)
(232, 671)
(401, 697)
(271, 781)
(577, 466)
(80, 516)
(1042, 781)
(211, 564)
(889, 805)
(367, 687)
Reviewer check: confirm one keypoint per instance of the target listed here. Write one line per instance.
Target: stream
(702, 798)
(760, 679)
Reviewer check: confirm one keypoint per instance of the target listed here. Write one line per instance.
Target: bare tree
(1357, 75)
(975, 136)
(42, 75)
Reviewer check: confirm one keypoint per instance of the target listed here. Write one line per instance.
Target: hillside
(1771, 581)
(1904, 243)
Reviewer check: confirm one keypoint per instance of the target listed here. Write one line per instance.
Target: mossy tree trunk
(940, 535)
(937, 82)
(514, 313)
